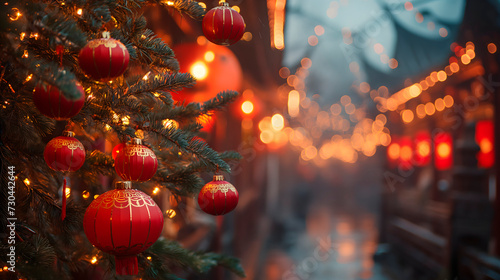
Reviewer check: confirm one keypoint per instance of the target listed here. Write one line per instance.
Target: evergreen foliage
(30, 31)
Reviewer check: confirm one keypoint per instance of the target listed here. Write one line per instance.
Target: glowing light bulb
(247, 107)
(199, 70)
(278, 122)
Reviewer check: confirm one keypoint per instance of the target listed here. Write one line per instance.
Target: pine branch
(162, 82)
(189, 7)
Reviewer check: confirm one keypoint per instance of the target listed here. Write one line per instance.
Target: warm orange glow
(393, 63)
(344, 100)
(378, 48)
(423, 148)
(406, 153)
(443, 150)
(443, 32)
(156, 190)
(319, 30)
(293, 103)
(171, 213)
(266, 136)
(394, 151)
(68, 192)
(448, 101)
(306, 63)
(430, 109)
(454, 67)
(465, 59)
(16, 14)
(79, 12)
(168, 123)
(492, 48)
(276, 10)
(441, 75)
(364, 87)
(415, 90)
(313, 40)
(209, 56)
(420, 111)
(407, 116)
(199, 70)
(93, 260)
(27, 182)
(85, 194)
(247, 107)
(439, 104)
(486, 145)
(278, 122)
(236, 8)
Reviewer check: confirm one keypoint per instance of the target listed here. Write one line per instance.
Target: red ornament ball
(223, 25)
(136, 162)
(64, 153)
(123, 222)
(51, 102)
(104, 59)
(218, 197)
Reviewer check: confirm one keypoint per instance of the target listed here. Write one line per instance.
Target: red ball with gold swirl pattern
(123, 222)
(218, 197)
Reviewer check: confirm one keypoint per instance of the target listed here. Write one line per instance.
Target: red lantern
(123, 222)
(136, 162)
(422, 154)
(51, 102)
(223, 25)
(443, 151)
(218, 197)
(64, 153)
(485, 140)
(215, 68)
(104, 59)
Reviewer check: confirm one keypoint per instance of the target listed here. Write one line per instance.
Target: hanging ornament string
(63, 212)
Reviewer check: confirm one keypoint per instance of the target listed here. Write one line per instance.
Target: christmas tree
(42, 52)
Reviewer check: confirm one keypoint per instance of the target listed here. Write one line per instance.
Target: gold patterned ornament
(218, 197)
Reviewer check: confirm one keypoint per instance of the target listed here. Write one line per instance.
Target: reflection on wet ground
(331, 246)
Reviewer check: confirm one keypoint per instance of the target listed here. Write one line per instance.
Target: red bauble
(136, 162)
(223, 25)
(51, 102)
(104, 59)
(218, 197)
(64, 153)
(117, 149)
(123, 222)
(216, 68)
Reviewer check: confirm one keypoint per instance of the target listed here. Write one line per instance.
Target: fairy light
(85, 194)
(170, 3)
(156, 190)
(68, 192)
(170, 213)
(126, 120)
(22, 35)
(209, 56)
(27, 182)
(25, 54)
(16, 14)
(30, 76)
(148, 257)
(79, 12)
(93, 260)
(96, 196)
(247, 107)
(277, 22)
(146, 77)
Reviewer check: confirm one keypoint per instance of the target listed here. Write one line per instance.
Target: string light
(79, 12)
(29, 77)
(27, 182)
(171, 213)
(156, 190)
(85, 194)
(93, 260)
(68, 192)
(15, 15)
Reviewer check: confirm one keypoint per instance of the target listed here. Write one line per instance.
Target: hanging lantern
(422, 155)
(51, 102)
(443, 151)
(218, 197)
(123, 222)
(64, 153)
(223, 25)
(485, 140)
(136, 162)
(215, 68)
(104, 59)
